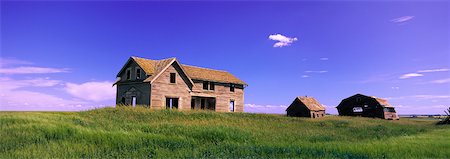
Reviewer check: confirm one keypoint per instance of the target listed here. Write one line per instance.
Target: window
(192, 103)
(231, 87)
(205, 85)
(231, 105)
(171, 103)
(133, 102)
(128, 74)
(357, 109)
(172, 77)
(138, 73)
(211, 85)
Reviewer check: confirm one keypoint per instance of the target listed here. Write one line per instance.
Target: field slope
(143, 133)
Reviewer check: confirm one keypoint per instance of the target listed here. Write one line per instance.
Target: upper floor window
(212, 85)
(205, 85)
(172, 77)
(231, 87)
(138, 73)
(128, 74)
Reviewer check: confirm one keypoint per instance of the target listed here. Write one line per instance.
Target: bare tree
(446, 118)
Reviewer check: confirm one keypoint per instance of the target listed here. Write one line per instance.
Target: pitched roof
(211, 75)
(154, 67)
(311, 103)
(382, 102)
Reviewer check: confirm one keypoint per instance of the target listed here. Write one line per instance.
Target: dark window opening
(205, 85)
(231, 87)
(171, 103)
(212, 86)
(128, 74)
(123, 100)
(172, 77)
(138, 73)
(202, 103)
(192, 103)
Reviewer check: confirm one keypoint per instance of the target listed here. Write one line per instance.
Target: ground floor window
(231, 105)
(171, 103)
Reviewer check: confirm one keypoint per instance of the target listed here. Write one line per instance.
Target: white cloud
(316, 71)
(434, 70)
(282, 40)
(395, 88)
(402, 19)
(441, 81)
(13, 61)
(31, 70)
(323, 58)
(410, 75)
(266, 109)
(92, 91)
(305, 76)
(13, 99)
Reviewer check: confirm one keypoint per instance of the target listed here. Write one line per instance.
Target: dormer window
(172, 77)
(231, 87)
(138, 73)
(128, 74)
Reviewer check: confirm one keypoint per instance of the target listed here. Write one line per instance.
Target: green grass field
(143, 133)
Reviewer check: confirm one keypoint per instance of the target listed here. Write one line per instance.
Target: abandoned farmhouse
(366, 106)
(169, 84)
(306, 107)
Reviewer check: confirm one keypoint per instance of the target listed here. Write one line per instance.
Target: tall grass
(141, 133)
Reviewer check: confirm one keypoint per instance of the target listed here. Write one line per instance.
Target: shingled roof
(311, 103)
(207, 74)
(153, 67)
(382, 102)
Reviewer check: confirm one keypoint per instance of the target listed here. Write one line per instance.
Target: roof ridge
(205, 68)
(153, 59)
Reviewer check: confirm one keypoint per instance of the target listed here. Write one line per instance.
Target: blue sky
(65, 55)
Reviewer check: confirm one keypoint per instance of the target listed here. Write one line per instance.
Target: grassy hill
(139, 132)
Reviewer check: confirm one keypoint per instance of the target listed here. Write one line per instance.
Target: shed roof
(154, 67)
(311, 103)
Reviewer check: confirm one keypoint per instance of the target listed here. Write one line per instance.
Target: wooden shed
(306, 107)
(366, 106)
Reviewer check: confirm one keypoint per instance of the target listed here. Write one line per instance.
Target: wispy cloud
(420, 97)
(92, 91)
(434, 70)
(323, 58)
(410, 75)
(282, 40)
(32, 70)
(305, 76)
(13, 61)
(267, 109)
(316, 71)
(441, 81)
(402, 19)
(420, 73)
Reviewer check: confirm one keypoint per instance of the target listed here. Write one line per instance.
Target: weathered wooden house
(169, 84)
(366, 106)
(306, 107)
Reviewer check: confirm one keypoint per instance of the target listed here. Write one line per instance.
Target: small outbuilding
(366, 106)
(306, 107)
